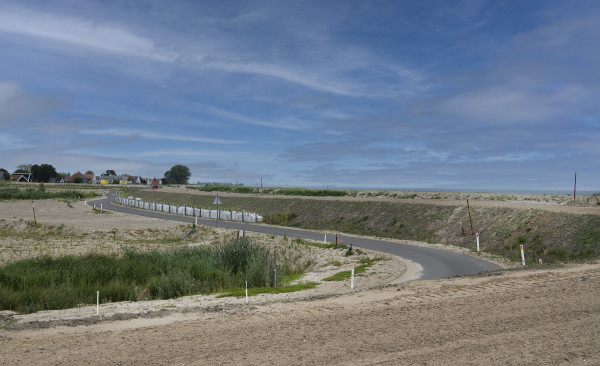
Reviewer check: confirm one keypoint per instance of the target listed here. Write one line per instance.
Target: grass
(46, 283)
(320, 245)
(12, 193)
(270, 290)
(345, 275)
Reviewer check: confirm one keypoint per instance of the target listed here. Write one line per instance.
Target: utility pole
(470, 220)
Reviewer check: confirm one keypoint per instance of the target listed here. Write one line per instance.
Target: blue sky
(405, 94)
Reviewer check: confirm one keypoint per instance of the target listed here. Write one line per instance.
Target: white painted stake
(478, 242)
(325, 239)
(196, 221)
(101, 208)
(522, 255)
(85, 203)
(97, 301)
(246, 292)
(352, 280)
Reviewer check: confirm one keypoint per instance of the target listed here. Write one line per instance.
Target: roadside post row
(191, 211)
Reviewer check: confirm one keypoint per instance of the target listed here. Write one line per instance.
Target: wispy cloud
(123, 132)
(78, 31)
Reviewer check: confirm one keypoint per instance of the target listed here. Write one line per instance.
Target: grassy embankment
(45, 283)
(549, 235)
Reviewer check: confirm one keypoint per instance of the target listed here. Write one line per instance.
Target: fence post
(275, 268)
(267, 269)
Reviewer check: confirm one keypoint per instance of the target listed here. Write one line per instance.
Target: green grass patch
(270, 290)
(12, 193)
(345, 275)
(320, 245)
(46, 283)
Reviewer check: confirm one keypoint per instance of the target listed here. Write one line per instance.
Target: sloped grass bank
(46, 283)
(548, 235)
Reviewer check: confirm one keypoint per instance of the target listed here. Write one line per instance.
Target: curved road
(435, 263)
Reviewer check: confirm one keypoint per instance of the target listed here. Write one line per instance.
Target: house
(76, 175)
(106, 179)
(134, 179)
(20, 177)
(88, 178)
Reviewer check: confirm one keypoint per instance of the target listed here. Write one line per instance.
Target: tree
(110, 172)
(89, 172)
(23, 168)
(5, 174)
(43, 173)
(77, 180)
(62, 176)
(179, 174)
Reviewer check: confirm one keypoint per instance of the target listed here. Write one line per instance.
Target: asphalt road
(435, 263)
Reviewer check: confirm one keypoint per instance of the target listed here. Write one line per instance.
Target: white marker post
(97, 302)
(325, 239)
(352, 280)
(101, 208)
(246, 292)
(196, 221)
(522, 255)
(477, 242)
(85, 203)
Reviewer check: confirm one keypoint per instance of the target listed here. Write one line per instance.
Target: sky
(488, 95)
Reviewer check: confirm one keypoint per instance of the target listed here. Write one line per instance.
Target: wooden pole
(267, 269)
(470, 220)
(275, 268)
(33, 206)
(575, 188)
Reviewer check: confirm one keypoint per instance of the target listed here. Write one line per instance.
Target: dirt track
(549, 316)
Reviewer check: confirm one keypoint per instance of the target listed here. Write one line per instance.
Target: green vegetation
(270, 290)
(46, 283)
(225, 188)
(178, 174)
(320, 245)
(13, 193)
(344, 275)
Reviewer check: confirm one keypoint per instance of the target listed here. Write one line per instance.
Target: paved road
(435, 263)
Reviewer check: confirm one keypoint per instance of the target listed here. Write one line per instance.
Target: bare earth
(546, 315)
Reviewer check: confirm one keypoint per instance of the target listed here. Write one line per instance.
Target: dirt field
(549, 316)
(546, 315)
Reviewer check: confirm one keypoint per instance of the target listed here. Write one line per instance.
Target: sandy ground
(546, 315)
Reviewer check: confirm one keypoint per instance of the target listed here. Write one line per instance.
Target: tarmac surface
(434, 263)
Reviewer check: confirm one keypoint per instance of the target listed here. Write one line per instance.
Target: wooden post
(33, 206)
(575, 188)
(267, 269)
(462, 228)
(275, 268)
(470, 220)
